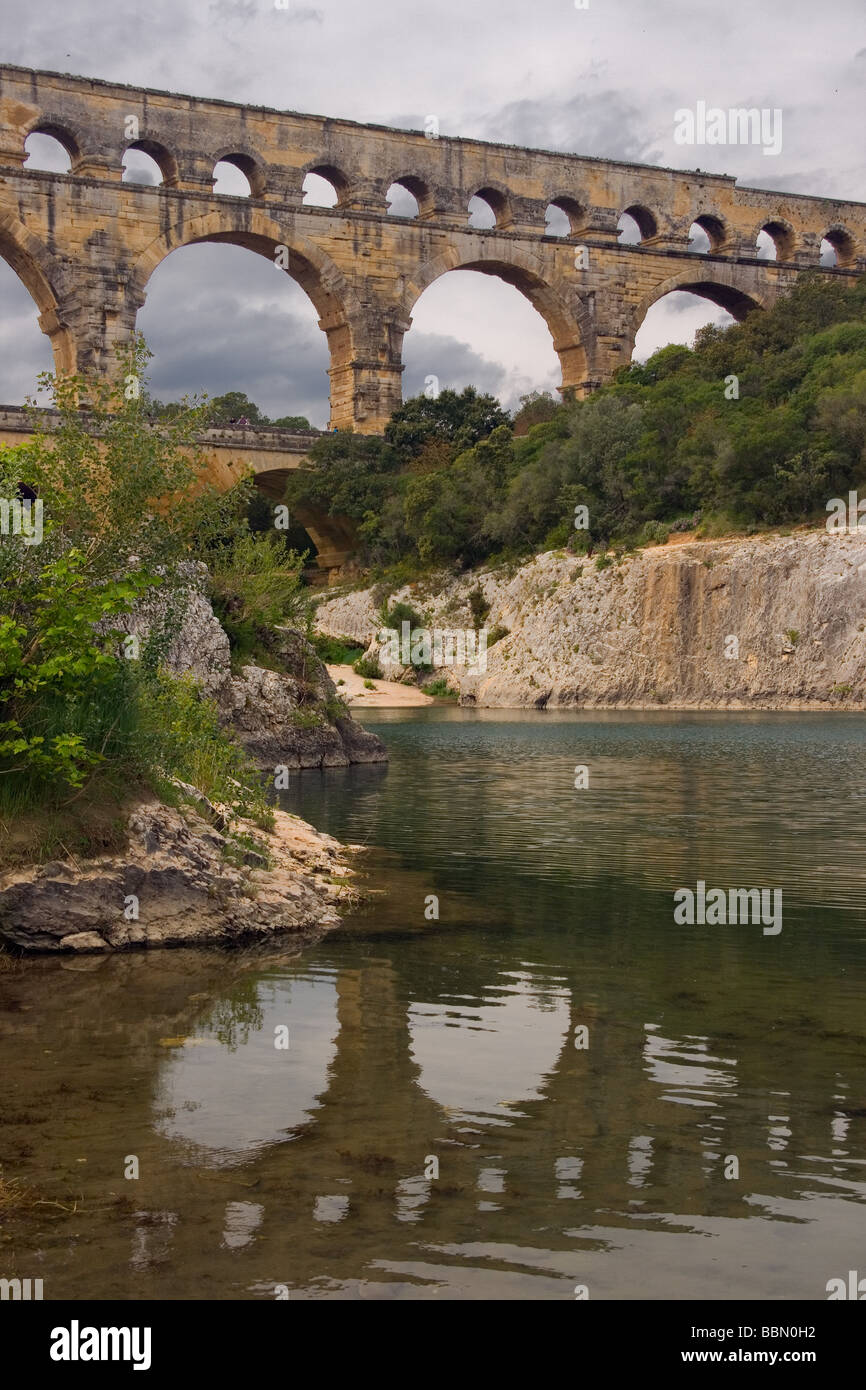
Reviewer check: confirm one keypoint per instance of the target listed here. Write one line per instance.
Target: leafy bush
(441, 689)
(259, 581)
(335, 651)
(368, 667)
(654, 533)
(401, 613)
(85, 719)
(178, 735)
(460, 419)
(478, 606)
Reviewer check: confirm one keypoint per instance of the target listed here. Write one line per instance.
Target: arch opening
(219, 318)
(141, 167)
(147, 162)
(563, 217)
(325, 186)
(49, 150)
(488, 208)
(706, 235)
(775, 242)
(236, 176)
(470, 329)
(270, 490)
(401, 202)
(837, 248)
(409, 197)
(636, 224)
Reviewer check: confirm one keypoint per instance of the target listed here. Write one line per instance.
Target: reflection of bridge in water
(636, 1121)
(306, 1168)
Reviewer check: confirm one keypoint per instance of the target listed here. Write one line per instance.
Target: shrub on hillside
(83, 712)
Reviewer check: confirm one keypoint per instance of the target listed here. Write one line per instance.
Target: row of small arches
(239, 176)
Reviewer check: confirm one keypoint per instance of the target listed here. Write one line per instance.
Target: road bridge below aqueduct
(86, 243)
(230, 453)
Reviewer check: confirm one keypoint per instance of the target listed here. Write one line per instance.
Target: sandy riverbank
(385, 694)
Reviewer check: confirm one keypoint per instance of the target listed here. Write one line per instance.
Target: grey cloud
(25, 351)
(598, 123)
(681, 302)
(275, 357)
(229, 10)
(453, 363)
(247, 11)
(218, 318)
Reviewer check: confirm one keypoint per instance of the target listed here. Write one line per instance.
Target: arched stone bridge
(85, 243)
(230, 453)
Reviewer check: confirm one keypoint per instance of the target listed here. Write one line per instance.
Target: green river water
(418, 1042)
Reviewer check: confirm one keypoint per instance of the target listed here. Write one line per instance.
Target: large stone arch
(36, 269)
(715, 282)
(567, 317)
(342, 317)
(335, 537)
(253, 229)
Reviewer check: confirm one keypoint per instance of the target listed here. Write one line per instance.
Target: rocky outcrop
(179, 881)
(190, 876)
(770, 622)
(190, 636)
(280, 723)
(290, 717)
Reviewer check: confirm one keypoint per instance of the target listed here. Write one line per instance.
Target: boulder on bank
(178, 882)
(280, 725)
(289, 717)
(191, 636)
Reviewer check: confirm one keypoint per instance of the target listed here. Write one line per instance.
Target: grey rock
(281, 719)
(187, 891)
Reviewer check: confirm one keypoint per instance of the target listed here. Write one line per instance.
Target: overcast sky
(605, 80)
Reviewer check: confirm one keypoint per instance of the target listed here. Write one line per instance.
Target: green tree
(289, 422)
(535, 408)
(459, 419)
(123, 502)
(235, 405)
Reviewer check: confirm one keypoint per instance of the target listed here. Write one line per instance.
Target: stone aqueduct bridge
(85, 243)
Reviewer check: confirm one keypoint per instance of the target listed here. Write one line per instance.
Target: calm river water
(708, 1141)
